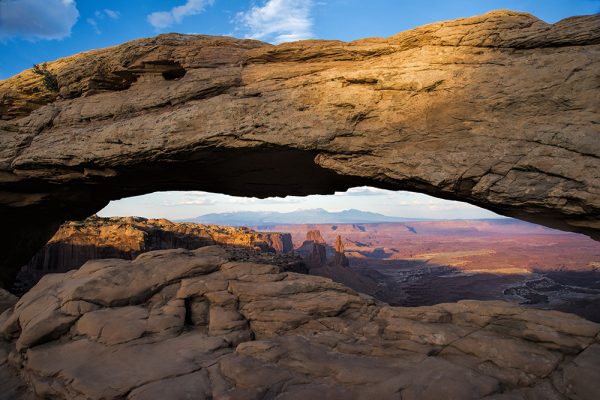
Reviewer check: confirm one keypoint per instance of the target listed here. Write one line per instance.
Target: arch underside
(508, 123)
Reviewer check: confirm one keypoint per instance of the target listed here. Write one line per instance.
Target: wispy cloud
(92, 22)
(100, 15)
(278, 21)
(112, 13)
(206, 198)
(364, 191)
(164, 19)
(178, 205)
(37, 19)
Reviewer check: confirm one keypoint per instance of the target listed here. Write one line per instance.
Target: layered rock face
(195, 324)
(317, 253)
(314, 235)
(498, 110)
(340, 257)
(126, 238)
(315, 250)
(327, 261)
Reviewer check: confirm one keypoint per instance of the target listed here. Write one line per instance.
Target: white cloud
(37, 19)
(364, 191)
(278, 21)
(206, 198)
(164, 19)
(190, 202)
(112, 14)
(178, 205)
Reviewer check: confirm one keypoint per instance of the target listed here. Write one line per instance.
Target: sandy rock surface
(183, 324)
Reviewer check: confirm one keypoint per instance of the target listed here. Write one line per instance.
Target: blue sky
(33, 31)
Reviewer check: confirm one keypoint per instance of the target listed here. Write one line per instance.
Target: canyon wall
(79, 241)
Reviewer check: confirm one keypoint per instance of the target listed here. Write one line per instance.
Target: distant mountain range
(314, 216)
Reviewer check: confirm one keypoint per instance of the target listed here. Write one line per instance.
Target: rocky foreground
(196, 324)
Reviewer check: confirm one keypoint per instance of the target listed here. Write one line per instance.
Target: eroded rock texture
(7, 300)
(499, 110)
(127, 237)
(193, 324)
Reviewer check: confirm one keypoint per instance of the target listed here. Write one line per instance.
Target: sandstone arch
(499, 110)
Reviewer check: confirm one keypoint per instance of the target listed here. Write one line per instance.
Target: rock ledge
(194, 324)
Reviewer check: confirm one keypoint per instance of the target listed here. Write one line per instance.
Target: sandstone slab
(205, 326)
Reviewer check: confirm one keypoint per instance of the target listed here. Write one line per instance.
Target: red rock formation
(340, 258)
(339, 244)
(280, 242)
(314, 249)
(126, 238)
(315, 236)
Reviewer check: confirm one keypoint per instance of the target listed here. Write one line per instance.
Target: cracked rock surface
(184, 324)
(499, 110)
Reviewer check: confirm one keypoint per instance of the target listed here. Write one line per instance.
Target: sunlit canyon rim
(499, 110)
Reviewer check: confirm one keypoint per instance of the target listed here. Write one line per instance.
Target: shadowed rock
(7, 300)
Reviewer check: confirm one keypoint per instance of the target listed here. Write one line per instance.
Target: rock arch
(499, 110)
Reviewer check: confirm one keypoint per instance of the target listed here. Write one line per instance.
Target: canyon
(498, 110)
(77, 242)
(248, 320)
(413, 263)
(420, 263)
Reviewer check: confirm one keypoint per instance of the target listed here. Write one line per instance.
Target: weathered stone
(499, 110)
(280, 335)
(549, 336)
(542, 391)
(191, 386)
(580, 377)
(7, 300)
(116, 371)
(509, 352)
(113, 326)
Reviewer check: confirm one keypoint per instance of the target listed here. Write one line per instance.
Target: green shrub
(49, 79)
